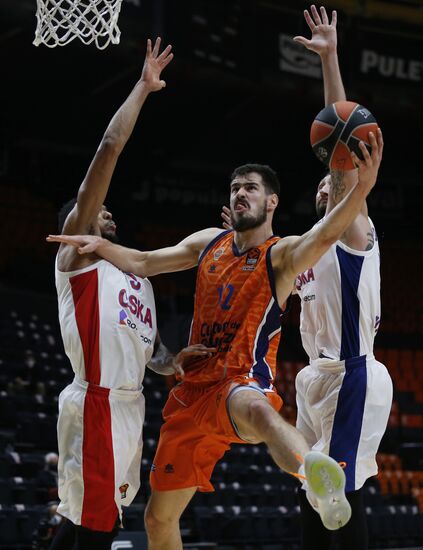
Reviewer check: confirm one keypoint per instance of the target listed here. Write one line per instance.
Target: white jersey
(108, 324)
(340, 302)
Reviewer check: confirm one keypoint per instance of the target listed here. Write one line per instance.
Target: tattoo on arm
(162, 360)
(370, 240)
(337, 186)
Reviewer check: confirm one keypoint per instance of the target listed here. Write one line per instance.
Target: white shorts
(343, 411)
(100, 446)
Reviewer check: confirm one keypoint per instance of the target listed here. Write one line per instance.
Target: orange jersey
(236, 311)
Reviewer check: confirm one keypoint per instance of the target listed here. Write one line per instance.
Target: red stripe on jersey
(99, 510)
(85, 299)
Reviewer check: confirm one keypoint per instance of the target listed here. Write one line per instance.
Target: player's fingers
(59, 239)
(377, 146)
(226, 226)
(202, 346)
(324, 15)
(199, 352)
(165, 53)
(315, 15)
(148, 47)
(199, 349)
(380, 139)
(178, 369)
(365, 153)
(374, 144)
(357, 162)
(334, 18)
(309, 20)
(226, 210)
(157, 46)
(166, 61)
(86, 249)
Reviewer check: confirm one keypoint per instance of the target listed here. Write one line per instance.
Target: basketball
(337, 130)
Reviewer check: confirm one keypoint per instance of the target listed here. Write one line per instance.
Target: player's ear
(272, 201)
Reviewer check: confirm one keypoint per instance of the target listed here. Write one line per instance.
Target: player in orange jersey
(244, 278)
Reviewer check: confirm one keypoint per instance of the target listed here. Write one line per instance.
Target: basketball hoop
(61, 21)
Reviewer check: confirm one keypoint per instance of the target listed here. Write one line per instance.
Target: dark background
(239, 90)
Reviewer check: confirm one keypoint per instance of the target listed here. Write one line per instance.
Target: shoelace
(301, 461)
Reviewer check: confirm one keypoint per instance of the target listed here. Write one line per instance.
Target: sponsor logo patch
(218, 253)
(126, 321)
(122, 317)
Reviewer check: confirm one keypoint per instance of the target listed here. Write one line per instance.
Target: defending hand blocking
(323, 34)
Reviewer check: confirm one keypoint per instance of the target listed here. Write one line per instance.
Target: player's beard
(246, 221)
(321, 210)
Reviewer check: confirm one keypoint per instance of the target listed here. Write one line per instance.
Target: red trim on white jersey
(85, 297)
(99, 510)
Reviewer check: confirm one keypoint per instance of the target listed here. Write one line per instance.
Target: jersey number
(225, 294)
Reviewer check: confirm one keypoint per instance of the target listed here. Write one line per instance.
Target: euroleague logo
(251, 259)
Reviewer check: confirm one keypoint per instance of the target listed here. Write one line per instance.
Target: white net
(61, 21)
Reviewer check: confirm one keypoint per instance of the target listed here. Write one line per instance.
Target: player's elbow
(138, 269)
(326, 241)
(110, 146)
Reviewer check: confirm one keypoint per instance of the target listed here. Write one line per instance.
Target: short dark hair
(64, 213)
(269, 176)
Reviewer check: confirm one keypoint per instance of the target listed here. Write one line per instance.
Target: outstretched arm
(182, 256)
(293, 255)
(324, 42)
(93, 190)
(358, 234)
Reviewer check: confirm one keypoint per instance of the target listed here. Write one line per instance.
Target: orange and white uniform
(237, 312)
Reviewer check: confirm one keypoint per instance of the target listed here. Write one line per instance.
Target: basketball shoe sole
(326, 485)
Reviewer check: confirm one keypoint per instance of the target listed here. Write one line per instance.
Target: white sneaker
(326, 484)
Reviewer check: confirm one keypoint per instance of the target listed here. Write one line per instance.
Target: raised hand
(154, 64)
(85, 244)
(369, 167)
(323, 34)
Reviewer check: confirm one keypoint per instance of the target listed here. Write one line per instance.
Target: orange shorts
(196, 434)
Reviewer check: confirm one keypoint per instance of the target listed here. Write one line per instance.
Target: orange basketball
(337, 130)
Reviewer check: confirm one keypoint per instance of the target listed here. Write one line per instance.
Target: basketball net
(61, 21)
